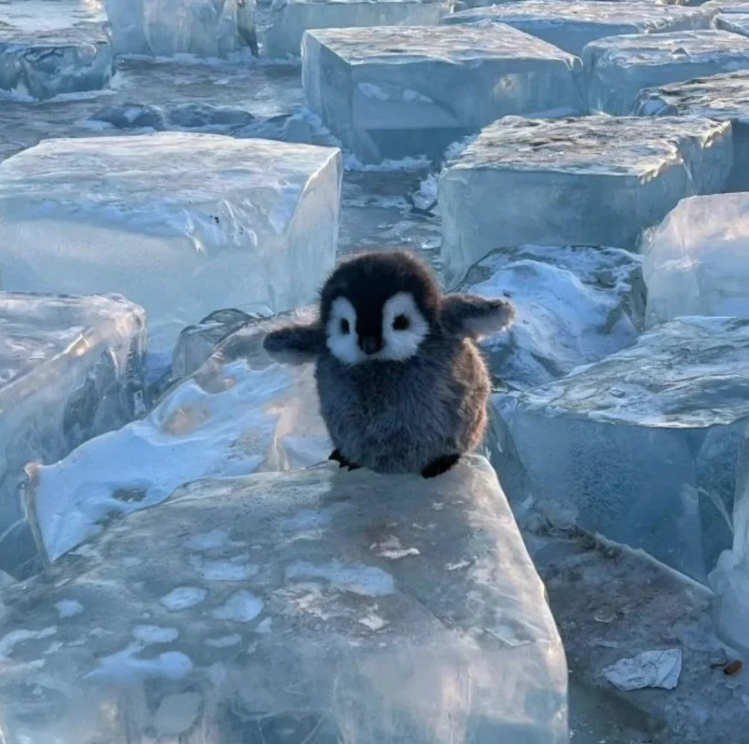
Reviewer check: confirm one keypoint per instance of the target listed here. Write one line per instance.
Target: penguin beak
(369, 345)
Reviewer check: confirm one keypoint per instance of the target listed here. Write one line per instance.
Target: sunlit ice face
(393, 332)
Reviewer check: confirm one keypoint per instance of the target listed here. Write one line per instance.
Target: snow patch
(367, 581)
(183, 598)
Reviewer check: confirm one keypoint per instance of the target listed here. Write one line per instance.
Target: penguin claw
(342, 461)
(439, 465)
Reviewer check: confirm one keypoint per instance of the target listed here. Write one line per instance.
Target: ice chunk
(572, 24)
(619, 67)
(720, 97)
(206, 28)
(338, 641)
(238, 413)
(70, 369)
(394, 92)
(66, 50)
(291, 18)
(737, 23)
(596, 181)
(196, 343)
(575, 306)
(642, 446)
(182, 223)
(696, 262)
(730, 579)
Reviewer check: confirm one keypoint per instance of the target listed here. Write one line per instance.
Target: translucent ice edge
(191, 434)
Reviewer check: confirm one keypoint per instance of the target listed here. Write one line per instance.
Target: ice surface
(619, 67)
(182, 223)
(574, 306)
(572, 24)
(720, 97)
(328, 642)
(61, 47)
(291, 18)
(394, 92)
(240, 412)
(642, 446)
(206, 28)
(596, 181)
(70, 369)
(697, 261)
(737, 23)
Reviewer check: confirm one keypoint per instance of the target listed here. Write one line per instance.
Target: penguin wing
(474, 316)
(295, 344)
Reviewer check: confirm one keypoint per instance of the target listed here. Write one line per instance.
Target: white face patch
(341, 332)
(403, 328)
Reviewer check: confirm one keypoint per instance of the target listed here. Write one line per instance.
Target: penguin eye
(345, 327)
(400, 323)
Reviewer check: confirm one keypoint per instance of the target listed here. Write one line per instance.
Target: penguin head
(379, 307)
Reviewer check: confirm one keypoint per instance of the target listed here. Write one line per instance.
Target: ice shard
(71, 368)
(697, 261)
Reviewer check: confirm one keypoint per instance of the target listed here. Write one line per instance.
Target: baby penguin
(402, 386)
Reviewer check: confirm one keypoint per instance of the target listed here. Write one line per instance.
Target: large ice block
(720, 97)
(596, 181)
(642, 446)
(239, 412)
(181, 223)
(164, 28)
(574, 306)
(313, 606)
(70, 369)
(737, 23)
(572, 24)
(60, 48)
(394, 92)
(619, 67)
(697, 261)
(291, 18)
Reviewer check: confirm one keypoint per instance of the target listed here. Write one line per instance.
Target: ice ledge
(381, 595)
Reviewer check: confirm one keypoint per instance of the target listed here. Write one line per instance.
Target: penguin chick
(402, 385)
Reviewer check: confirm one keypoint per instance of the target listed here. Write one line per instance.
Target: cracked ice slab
(448, 640)
(179, 221)
(696, 261)
(70, 369)
(67, 50)
(238, 413)
(572, 24)
(596, 181)
(165, 28)
(619, 67)
(397, 92)
(642, 446)
(719, 97)
(291, 18)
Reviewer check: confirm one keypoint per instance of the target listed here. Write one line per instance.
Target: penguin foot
(342, 461)
(439, 465)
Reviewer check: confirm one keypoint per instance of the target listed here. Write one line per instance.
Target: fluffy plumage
(402, 386)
